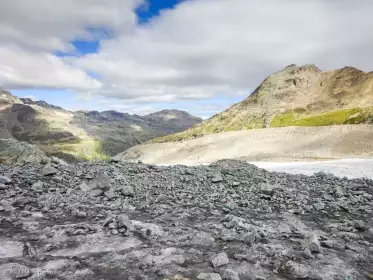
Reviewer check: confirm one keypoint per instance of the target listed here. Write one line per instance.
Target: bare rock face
(179, 225)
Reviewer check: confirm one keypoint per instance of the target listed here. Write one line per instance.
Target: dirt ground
(271, 144)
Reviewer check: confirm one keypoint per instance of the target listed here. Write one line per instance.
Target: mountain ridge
(85, 135)
(295, 96)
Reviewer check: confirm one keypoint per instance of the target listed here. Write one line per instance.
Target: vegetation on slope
(336, 117)
(86, 149)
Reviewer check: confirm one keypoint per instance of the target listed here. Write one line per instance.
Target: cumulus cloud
(32, 31)
(206, 47)
(199, 49)
(26, 69)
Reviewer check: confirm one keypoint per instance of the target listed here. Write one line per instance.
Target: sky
(202, 56)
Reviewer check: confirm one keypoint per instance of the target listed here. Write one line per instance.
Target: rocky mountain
(295, 96)
(226, 221)
(83, 135)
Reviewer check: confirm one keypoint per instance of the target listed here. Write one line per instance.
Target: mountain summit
(295, 96)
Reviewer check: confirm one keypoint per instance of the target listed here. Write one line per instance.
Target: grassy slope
(336, 117)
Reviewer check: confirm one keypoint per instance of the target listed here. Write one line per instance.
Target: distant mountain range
(83, 134)
(295, 96)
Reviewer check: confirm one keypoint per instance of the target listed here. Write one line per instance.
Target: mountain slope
(86, 135)
(295, 96)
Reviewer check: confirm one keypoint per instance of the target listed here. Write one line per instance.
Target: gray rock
(100, 182)
(5, 180)
(2, 186)
(319, 205)
(249, 238)
(340, 191)
(84, 187)
(359, 225)
(296, 270)
(209, 276)
(230, 274)
(124, 223)
(217, 178)
(313, 243)
(267, 189)
(307, 253)
(110, 194)
(96, 192)
(48, 170)
(38, 186)
(220, 260)
(127, 191)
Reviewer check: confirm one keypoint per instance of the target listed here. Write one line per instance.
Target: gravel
(230, 220)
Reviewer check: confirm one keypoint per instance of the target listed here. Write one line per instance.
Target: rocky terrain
(295, 96)
(229, 220)
(83, 135)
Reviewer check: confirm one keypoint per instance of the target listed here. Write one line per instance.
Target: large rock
(13, 152)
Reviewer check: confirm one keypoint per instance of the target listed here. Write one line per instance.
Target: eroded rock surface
(229, 220)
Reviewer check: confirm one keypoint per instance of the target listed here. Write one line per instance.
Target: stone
(5, 180)
(84, 187)
(314, 244)
(100, 182)
(359, 225)
(296, 270)
(124, 223)
(230, 274)
(38, 186)
(96, 192)
(209, 276)
(48, 170)
(217, 178)
(267, 189)
(110, 194)
(220, 260)
(249, 238)
(127, 191)
(307, 253)
(340, 191)
(319, 205)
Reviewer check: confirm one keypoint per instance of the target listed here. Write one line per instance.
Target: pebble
(220, 260)
(48, 170)
(128, 191)
(314, 244)
(230, 274)
(209, 276)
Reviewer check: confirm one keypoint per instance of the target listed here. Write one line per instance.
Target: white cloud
(31, 31)
(206, 47)
(26, 69)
